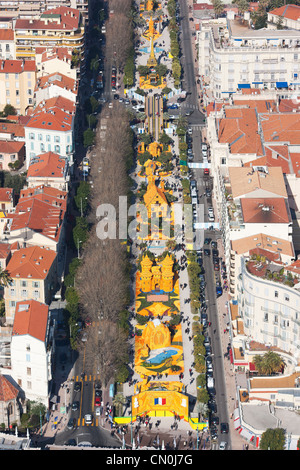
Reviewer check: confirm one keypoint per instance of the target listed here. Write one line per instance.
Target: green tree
(9, 110)
(80, 232)
(88, 138)
(218, 7)
(273, 439)
(5, 279)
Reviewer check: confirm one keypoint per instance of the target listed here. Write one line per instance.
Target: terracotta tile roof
(40, 216)
(281, 127)
(265, 242)
(31, 318)
(245, 181)
(6, 34)
(275, 156)
(47, 165)
(5, 249)
(52, 196)
(6, 194)
(54, 119)
(57, 102)
(17, 66)
(289, 105)
(60, 53)
(261, 105)
(7, 390)
(239, 129)
(31, 262)
(292, 12)
(12, 128)
(265, 210)
(58, 79)
(295, 160)
(61, 18)
(11, 146)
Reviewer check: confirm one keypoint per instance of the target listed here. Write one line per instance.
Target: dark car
(213, 407)
(75, 405)
(207, 241)
(77, 387)
(214, 244)
(215, 420)
(215, 252)
(224, 428)
(71, 423)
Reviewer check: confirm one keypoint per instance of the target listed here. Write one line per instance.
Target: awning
(244, 85)
(281, 85)
(246, 434)
(236, 418)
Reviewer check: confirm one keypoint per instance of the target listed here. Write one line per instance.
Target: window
(29, 385)
(7, 93)
(40, 137)
(7, 84)
(266, 317)
(12, 292)
(48, 138)
(57, 139)
(31, 136)
(24, 283)
(35, 284)
(23, 293)
(276, 293)
(286, 298)
(28, 370)
(27, 357)
(36, 294)
(57, 148)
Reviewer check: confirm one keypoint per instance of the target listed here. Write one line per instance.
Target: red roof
(58, 79)
(48, 164)
(265, 210)
(52, 196)
(17, 66)
(6, 194)
(12, 128)
(11, 146)
(31, 318)
(61, 18)
(54, 119)
(40, 216)
(292, 12)
(31, 262)
(7, 390)
(6, 34)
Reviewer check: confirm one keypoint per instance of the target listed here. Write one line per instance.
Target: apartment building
(268, 304)
(32, 348)
(33, 273)
(7, 44)
(33, 8)
(54, 85)
(11, 152)
(17, 83)
(56, 27)
(234, 56)
(288, 15)
(48, 169)
(57, 59)
(51, 129)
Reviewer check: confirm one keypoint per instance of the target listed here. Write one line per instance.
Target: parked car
(97, 401)
(77, 387)
(75, 405)
(206, 171)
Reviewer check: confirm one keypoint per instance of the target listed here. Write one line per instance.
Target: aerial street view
(149, 234)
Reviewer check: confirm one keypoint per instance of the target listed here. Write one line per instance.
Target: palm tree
(5, 279)
(119, 401)
(202, 409)
(269, 363)
(218, 7)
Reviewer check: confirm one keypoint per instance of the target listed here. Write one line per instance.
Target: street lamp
(78, 241)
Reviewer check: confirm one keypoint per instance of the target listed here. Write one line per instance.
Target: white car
(98, 411)
(190, 131)
(223, 445)
(88, 419)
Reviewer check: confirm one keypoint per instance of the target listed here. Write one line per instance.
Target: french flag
(159, 401)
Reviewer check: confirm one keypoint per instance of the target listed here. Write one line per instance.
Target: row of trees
(103, 276)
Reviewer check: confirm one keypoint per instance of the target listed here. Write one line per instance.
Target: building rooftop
(31, 262)
(239, 129)
(265, 242)
(17, 66)
(48, 194)
(292, 12)
(281, 127)
(265, 210)
(61, 18)
(46, 165)
(31, 318)
(245, 181)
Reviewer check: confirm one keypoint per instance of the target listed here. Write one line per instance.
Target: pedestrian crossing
(86, 378)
